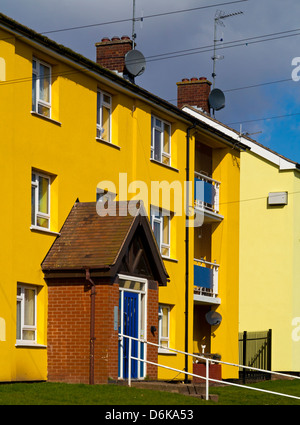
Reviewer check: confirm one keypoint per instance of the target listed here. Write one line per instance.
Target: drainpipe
(92, 326)
(187, 251)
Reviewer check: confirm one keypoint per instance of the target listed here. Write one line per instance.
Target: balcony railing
(207, 193)
(205, 279)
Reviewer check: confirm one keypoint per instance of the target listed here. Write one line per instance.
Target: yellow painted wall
(225, 250)
(269, 257)
(66, 148)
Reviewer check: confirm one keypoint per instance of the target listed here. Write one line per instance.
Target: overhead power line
(156, 15)
(226, 45)
(265, 118)
(259, 85)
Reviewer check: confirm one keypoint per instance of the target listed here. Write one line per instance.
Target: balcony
(206, 282)
(207, 191)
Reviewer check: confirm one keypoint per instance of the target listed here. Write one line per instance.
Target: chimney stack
(194, 92)
(111, 53)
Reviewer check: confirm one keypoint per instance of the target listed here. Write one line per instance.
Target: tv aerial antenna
(246, 133)
(135, 62)
(134, 20)
(218, 20)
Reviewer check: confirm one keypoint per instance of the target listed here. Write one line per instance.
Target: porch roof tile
(88, 240)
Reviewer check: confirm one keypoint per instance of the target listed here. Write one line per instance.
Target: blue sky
(264, 56)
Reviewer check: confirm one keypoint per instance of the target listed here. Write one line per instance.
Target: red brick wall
(152, 320)
(69, 307)
(194, 92)
(111, 53)
(215, 372)
(68, 333)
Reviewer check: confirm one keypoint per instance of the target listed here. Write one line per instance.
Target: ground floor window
(163, 327)
(26, 314)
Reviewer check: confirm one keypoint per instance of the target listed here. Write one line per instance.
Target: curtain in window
(18, 319)
(106, 123)
(43, 201)
(29, 313)
(44, 83)
(164, 327)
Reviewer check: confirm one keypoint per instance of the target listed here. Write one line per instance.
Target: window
(41, 88)
(164, 326)
(104, 105)
(160, 223)
(105, 196)
(40, 200)
(160, 141)
(26, 314)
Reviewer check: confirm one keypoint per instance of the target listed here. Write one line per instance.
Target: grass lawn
(112, 395)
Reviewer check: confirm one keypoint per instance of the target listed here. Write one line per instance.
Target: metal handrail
(207, 178)
(196, 260)
(207, 360)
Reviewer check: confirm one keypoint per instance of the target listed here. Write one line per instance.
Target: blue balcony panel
(203, 277)
(204, 191)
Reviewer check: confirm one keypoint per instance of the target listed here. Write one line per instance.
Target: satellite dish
(213, 318)
(216, 99)
(135, 62)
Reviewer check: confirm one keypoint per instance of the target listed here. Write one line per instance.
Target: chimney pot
(194, 92)
(111, 53)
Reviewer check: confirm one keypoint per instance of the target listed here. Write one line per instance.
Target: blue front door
(129, 309)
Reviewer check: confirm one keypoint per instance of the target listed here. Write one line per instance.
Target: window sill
(43, 230)
(166, 351)
(164, 165)
(173, 260)
(36, 114)
(23, 344)
(105, 142)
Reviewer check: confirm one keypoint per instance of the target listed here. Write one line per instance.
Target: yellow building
(269, 268)
(270, 285)
(74, 130)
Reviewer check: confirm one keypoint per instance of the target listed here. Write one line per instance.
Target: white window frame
(40, 102)
(158, 127)
(23, 326)
(165, 339)
(157, 216)
(105, 196)
(37, 213)
(100, 104)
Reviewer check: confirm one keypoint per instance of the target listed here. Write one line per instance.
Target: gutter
(188, 131)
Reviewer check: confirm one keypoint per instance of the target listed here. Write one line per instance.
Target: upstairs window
(40, 200)
(105, 196)
(104, 108)
(160, 141)
(160, 223)
(41, 88)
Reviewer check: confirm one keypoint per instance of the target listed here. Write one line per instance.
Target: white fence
(206, 377)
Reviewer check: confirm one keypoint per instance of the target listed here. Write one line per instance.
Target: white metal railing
(214, 205)
(206, 377)
(202, 290)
